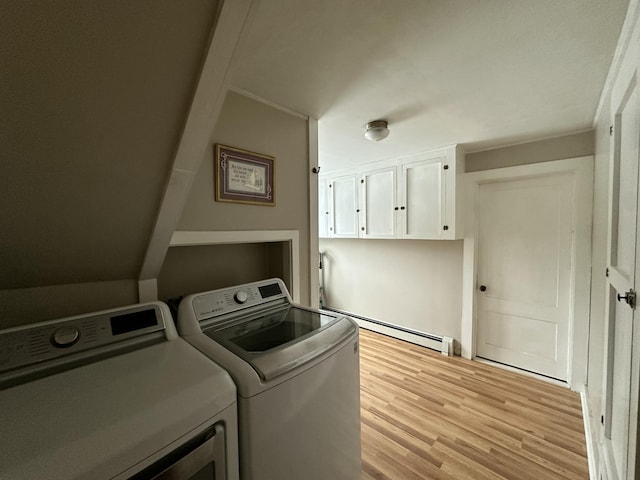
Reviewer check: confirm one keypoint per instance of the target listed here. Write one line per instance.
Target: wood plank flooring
(427, 416)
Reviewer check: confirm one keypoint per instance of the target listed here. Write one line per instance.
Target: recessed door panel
(625, 178)
(622, 332)
(522, 238)
(525, 334)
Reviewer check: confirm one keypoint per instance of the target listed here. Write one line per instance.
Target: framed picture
(243, 177)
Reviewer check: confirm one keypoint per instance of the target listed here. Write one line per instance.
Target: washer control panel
(227, 300)
(39, 342)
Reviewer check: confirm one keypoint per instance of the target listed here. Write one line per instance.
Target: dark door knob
(483, 288)
(629, 297)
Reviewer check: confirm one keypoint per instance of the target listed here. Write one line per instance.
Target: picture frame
(242, 176)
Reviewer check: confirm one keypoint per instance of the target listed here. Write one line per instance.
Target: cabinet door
(423, 203)
(323, 207)
(344, 203)
(378, 199)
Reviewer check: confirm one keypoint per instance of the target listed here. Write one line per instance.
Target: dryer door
(202, 458)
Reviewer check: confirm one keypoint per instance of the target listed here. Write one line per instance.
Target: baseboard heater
(434, 342)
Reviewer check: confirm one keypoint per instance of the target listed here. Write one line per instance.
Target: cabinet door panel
(378, 202)
(323, 208)
(345, 220)
(422, 199)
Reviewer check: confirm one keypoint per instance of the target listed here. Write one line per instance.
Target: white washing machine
(113, 395)
(298, 379)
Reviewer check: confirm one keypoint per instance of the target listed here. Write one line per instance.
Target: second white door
(525, 243)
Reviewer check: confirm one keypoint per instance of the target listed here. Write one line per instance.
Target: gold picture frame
(242, 176)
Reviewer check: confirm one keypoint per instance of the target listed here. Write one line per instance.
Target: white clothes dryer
(113, 395)
(297, 374)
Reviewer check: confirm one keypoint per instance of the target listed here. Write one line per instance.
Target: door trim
(580, 290)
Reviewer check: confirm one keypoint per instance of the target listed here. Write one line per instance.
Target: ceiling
(94, 97)
(478, 73)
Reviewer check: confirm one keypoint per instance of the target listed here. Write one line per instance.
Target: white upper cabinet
(429, 189)
(379, 203)
(343, 192)
(422, 199)
(323, 207)
(413, 198)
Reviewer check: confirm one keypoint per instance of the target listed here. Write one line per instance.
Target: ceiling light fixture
(377, 130)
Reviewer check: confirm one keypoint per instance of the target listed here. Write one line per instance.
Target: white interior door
(525, 230)
(622, 356)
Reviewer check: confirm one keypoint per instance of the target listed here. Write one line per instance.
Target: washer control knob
(65, 337)
(241, 296)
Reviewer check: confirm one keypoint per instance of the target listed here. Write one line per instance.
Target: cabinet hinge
(611, 130)
(446, 167)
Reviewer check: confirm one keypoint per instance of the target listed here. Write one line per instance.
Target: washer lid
(281, 340)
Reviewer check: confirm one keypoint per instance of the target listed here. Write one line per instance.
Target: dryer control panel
(46, 341)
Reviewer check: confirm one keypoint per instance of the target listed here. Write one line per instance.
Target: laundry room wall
(418, 283)
(250, 125)
(411, 283)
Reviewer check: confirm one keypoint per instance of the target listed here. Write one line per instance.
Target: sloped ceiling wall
(93, 97)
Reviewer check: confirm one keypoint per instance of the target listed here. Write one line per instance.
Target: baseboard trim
(521, 371)
(590, 440)
(434, 342)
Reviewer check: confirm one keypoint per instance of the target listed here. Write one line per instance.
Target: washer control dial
(241, 296)
(66, 336)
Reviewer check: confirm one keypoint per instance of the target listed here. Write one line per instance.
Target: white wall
(411, 283)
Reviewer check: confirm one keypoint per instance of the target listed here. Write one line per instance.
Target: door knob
(483, 288)
(629, 297)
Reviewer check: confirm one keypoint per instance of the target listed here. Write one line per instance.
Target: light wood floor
(427, 416)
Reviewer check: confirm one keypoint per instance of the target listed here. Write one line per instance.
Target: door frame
(580, 289)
